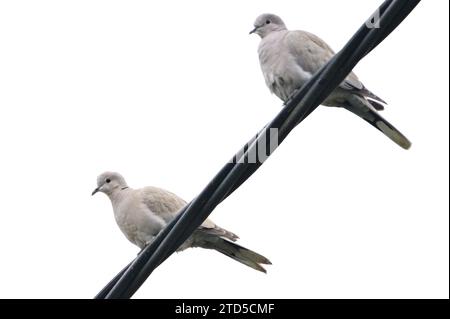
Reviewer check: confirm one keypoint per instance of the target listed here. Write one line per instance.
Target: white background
(165, 93)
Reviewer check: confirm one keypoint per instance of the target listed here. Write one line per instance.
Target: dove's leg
(361, 107)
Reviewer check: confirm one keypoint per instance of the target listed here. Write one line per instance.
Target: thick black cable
(162, 254)
(233, 175)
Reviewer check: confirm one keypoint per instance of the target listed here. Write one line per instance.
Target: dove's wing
(163, 206)
(166, 205)
(311, 53)
(161, 202)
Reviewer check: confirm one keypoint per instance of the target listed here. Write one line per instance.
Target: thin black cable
(233, 175)
(104, 292)
(162, 254)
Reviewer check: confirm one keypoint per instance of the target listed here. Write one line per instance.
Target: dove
(143, 212)
(289, 59)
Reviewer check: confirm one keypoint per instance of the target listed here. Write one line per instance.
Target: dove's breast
(283, 75)
(136, 221)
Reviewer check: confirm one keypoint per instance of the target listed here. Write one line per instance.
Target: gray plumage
(142, 213)
(288, 60)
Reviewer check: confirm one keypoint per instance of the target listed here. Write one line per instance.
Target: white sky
(165, 93)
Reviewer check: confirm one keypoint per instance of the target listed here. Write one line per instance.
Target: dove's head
(267, 23)
(110, 182)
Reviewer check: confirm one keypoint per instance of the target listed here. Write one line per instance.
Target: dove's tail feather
(376, 101)
(234, 251)
(377, 105)
(361, 107)
(242, 254)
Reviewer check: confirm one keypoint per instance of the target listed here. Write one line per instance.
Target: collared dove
(289, 58)
(142, 213)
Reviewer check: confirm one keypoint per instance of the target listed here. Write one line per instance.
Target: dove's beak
(253, 31)
(95, 191)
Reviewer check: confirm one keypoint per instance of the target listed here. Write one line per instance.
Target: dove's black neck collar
(123, 188)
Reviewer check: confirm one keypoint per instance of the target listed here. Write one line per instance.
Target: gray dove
(142, 213)
(289, 59)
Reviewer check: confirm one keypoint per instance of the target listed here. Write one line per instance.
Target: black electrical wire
(232, 175)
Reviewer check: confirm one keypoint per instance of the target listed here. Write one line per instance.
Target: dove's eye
(267, 21)
(108, 180)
